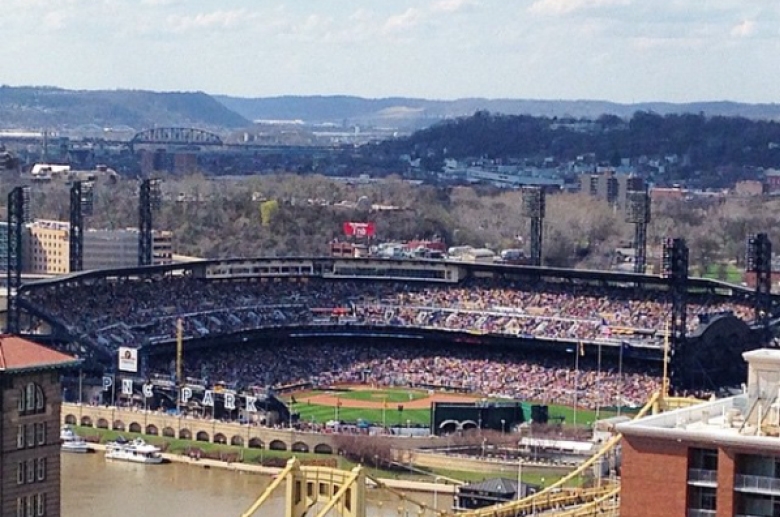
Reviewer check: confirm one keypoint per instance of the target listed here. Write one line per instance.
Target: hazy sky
(620, 50)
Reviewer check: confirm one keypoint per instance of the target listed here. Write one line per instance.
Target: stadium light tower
(759, 262)
(149, 201)
(638, 214)
(18, 215)
(81, 204)
(534, 208)
(675, 268)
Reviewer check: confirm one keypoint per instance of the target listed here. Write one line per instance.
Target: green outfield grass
(394, 396)
(717, 271)
(321, 414)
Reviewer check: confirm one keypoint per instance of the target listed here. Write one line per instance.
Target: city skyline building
(715, 459)
(30, 453)
(47, 248)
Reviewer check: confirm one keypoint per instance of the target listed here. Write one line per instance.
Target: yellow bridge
(344, 492)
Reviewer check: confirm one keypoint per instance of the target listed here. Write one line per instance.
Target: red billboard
(359, 229)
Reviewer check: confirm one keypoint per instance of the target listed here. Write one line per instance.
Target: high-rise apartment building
(30, 446)
(716, 459)
(47, 248)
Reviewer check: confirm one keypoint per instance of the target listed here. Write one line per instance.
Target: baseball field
(400, 406)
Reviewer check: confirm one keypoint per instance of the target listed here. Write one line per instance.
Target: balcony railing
(701, 476)
(698, 512)
(762, 484)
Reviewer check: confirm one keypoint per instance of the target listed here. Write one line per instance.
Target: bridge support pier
(343, 491)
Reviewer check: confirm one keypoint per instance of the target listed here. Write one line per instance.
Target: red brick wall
(654, 478)
(726, 467)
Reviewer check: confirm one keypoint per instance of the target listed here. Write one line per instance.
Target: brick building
(47, 248)
(30, 453)
(716, 459)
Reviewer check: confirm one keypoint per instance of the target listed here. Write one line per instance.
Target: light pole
(578, 351)
(620, 380)
(519, 471)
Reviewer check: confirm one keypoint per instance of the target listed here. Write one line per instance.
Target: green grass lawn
(732, 273)
(321, 414)
(176, 446)
(392, 396)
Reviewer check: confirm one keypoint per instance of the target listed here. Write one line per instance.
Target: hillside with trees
(49, 108)
(701, 143)
(405, 112)
(294, 215)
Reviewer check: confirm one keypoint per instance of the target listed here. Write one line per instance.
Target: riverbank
(248, 468)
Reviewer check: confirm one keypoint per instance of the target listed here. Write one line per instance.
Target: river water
(93, 487)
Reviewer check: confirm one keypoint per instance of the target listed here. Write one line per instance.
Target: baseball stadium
(399, 348)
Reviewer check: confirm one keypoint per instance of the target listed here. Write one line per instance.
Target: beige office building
(47, 248)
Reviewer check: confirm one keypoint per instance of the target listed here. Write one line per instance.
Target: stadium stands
(144, 311)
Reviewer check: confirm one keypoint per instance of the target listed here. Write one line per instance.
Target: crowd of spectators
(138, 312)
(529, 377)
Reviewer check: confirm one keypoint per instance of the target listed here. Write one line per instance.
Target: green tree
(268, 209)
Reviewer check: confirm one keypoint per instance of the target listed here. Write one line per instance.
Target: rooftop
(749, 419)
(17, 354)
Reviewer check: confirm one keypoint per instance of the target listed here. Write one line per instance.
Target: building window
(703, 459)
(20, 473)
(31, 399)
(19, 507)
(40, 400)
(30, 435)
(702, 498)
(30, 506)
(30, 471)
(30, 396)
(21, 431)
(40, 504)
(41, 469)
(40, 431)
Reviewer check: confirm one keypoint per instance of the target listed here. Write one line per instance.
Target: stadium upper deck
(140, 306)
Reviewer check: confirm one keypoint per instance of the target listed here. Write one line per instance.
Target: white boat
(71, 442)
(137, 451)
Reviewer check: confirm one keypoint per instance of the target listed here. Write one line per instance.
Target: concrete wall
(153, 423)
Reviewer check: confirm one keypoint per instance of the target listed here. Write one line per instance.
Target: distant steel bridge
(176, 136)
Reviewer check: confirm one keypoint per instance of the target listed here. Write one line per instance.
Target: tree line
(704, 144)
(282, 215)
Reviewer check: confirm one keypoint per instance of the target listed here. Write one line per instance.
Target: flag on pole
(605, 330)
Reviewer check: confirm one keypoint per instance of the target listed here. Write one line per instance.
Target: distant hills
(415, 113)
(55, 108)
(50, 108)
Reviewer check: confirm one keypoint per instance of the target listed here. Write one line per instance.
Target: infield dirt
(331, 399)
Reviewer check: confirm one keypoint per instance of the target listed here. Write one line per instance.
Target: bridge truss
(344, 491)
(176, 136)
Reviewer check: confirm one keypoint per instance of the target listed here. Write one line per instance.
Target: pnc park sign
(185, 395)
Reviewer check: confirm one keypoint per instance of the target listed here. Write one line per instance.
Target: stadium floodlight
(26, 205)
(155, 193)
(533, 202)
(638, 207)
(87, 197)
